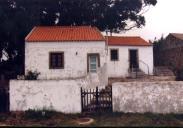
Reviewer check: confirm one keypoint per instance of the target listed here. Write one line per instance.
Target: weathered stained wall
(172, 58)
(120, 68)
(75, 58)
(59, 95)
(97, 79)
(141, 97)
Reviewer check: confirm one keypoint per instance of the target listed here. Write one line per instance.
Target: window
(56, 60)
(93, 62)
(114, 55)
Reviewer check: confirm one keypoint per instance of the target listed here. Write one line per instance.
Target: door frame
(137, 53)
(98, 59)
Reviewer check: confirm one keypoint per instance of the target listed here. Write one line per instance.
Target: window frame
(117, 54)
(62, 61)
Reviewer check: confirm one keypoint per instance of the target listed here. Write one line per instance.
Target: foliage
(18, 17)
(39, 114)
(32, 75)
(3, 117)
(157, 49)
(159, 55)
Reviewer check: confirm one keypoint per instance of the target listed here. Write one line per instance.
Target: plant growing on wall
(39, 114)
(32, 75)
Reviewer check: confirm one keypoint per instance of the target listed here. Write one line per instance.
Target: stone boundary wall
(155, 97)
(59, 95)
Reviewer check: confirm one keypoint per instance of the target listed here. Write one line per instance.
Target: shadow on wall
(141, 97)
(98, 79)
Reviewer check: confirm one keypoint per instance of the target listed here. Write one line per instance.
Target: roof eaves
(64, 40)
(128, 45)
(26, 38)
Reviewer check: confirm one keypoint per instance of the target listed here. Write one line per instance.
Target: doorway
(93, 62)
(133, 59)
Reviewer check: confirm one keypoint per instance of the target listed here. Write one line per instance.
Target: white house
(128, 53)
(64, 52)
(72, 57)
(75, 52)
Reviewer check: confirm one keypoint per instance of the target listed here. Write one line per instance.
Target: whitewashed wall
(120, 68)
(154, 97)
(59, 95)
(75, 58)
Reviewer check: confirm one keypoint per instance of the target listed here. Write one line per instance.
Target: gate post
(81, 100)
(111, 100)
(97, 104)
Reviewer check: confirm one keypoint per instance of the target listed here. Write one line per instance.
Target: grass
(36, 118)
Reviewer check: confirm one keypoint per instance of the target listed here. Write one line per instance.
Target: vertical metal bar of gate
(97, 103)
(111, 99)
(81, 100)
(98, 100)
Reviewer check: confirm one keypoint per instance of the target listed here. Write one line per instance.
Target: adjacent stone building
(171, 53)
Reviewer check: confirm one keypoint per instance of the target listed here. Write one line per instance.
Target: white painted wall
(154, 97)
(59, 95)
(120, 68)
(75, 66)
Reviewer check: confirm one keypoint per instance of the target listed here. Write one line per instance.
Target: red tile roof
(127, 41)
(61, 33)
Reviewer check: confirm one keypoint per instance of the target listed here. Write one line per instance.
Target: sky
(164, 18)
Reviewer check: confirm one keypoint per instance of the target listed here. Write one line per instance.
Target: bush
(39, 114)
(3, 117)
(178, 116)
(32, 75)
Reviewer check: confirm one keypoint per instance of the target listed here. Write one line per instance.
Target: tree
(115, 15)
(18, 17)
(157, 50)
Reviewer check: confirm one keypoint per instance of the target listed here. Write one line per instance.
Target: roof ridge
(65, 33)
(176, 33)
(128, 40)
(98, 31)
(123, 36)
(63, 26)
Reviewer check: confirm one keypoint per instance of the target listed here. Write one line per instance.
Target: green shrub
(32, 75)
(39, 114)
(3, 117)
(178, 116)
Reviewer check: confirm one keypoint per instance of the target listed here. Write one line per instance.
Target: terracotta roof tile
(64, 33)
(127, 41)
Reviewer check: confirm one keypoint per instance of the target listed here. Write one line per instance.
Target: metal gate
(96, 100)
(4, 100)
